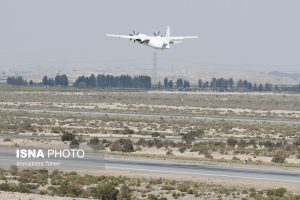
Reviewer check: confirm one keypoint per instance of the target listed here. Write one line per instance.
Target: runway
(99, 162)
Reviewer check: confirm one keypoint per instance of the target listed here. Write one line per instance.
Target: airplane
(157, 41)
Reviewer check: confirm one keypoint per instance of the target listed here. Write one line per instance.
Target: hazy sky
(71, 32)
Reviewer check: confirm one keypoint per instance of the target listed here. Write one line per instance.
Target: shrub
(235, 158)
(2, 176)
(156, 181)
(278, 157)
(169, 153)
(33, 176)
(297, 142)
(279, 192)
(13, 169)
(125, 193)
(70, 189)
(191, 136)
(74, 143)
(167, 187)
(155, 134)
(124, 145)
(208, 155)
(231, 141)
(183, 187)
(95, 144)
(43, 192)
(67, 136)
(7, 140)
(175, 195)
(152, 197)
(94, 141)
(182, 149)
(57, 130)
(128, 131)
(105, 191)
(13, 187)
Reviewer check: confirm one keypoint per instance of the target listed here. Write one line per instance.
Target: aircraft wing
(183, 37)
(121, 36)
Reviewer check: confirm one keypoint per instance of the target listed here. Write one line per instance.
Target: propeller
(157, 34)
(133, 34)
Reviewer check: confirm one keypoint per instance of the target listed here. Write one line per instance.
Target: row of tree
(59, 80)
(179, 84)
(110, 81)
(19, 81)
(144, 82)
(221, 84)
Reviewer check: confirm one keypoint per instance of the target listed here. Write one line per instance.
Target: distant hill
(293, 75)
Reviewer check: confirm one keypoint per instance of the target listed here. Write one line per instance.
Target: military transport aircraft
(157, 41)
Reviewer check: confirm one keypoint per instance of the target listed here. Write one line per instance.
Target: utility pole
(154, 75)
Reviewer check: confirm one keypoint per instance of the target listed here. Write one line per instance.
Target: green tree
(170, 85)
(51, 82)
(268, 87)
(260, 87)
(159, 85)
(19, 81)
(240, 84)
(57, 80)
(186, 84)
(230, 82)
(92, 81)
(200, 84)
(61, 80)
(255, 87)
(45, 80)
(179, 83)
(64, 80)
(166, 83)
(213, 83)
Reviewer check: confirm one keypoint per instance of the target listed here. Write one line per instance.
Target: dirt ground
(24, 196)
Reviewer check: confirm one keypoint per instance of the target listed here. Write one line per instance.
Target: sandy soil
(153, 108)
(216, 155)
(22, 196)
(261, 184)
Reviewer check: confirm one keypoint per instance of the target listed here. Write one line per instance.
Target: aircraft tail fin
(168, 32)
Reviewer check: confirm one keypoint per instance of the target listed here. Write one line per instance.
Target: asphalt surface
(99, 162)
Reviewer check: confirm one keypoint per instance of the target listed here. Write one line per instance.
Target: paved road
(98, 162)
(178, 116)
